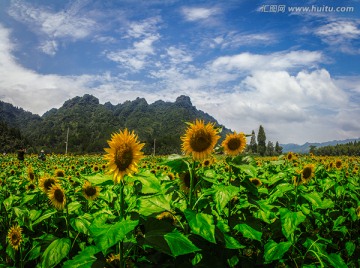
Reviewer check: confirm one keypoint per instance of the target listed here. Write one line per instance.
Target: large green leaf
(201, 224)
(107, 235)
(150, 184)
(154, 204)
(289, 221)
(336, 261)
(281, 189)
(84, 259)
(223, 194)
(275, 251)
(230, 242)
(248, 232)
(47, 214)
(100, 179)
(179, 243)
(315, 200)
(55, 252)
(350, 248)
(177, 163)
(80, 224)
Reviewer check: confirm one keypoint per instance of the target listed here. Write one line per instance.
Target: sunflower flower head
(46, 182)
(307, 172)
(15, 237)
(90, 192)
(256, 181)
(199, 139)
(124, 154)
(57, 196)
(234, 143)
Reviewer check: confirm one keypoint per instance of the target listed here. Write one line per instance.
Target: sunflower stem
(296, 196)
(67, 220)
(192, 174)
(121, 212)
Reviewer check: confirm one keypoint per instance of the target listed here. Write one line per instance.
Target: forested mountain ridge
(90, 124)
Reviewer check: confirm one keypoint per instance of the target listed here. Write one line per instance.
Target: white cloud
(52, 26)
(236, 40)
(198, 13)
(275, 61)
(340, 35)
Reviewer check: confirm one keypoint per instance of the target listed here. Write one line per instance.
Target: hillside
(90, 124)
(291, 147)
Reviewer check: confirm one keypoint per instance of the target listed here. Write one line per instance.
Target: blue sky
(244, 62)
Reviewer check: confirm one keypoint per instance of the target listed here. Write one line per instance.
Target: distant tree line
(350, 149)
(259, 146)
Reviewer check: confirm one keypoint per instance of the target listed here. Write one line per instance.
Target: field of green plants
(178, 211)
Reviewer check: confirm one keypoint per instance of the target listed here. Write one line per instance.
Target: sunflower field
(214, 206)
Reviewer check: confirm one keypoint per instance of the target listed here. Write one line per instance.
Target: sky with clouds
(291, 66)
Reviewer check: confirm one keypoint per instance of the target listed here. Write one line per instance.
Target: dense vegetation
(351, 149)
(246, 213)
(91, 123)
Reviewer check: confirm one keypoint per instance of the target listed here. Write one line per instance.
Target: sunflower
(59, 173)
(338, 164)
(297, 180)
(167, 216)
(57, 196)
(290, 156)
(234, 143)
(307, 173)
(358, 211)
(185, 181)
(257, 182)
(45, 183)
(124, 154)
(199, 139)
(31, 174)
(207, 162)
(95, 168)
(15, 237)
(90, 192)
(113, 259)
(30, 187)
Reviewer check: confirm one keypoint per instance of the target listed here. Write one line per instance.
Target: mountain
(291, 147)
(91, 124)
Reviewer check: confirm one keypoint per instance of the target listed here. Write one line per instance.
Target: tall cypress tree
(261, 139)
(278, 148)
(253, 144)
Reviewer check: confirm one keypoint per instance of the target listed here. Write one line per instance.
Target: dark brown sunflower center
(31, 176)
(123, 157)
(256, 182)
(59, 195)
(60, 173)
(90, 191)
(234, 144)
(307, 173)
(15, 238)
(48, 183)
(200, 141)
(338, 164)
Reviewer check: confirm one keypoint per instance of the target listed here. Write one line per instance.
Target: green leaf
(350, 248)
(179, 243)
(150, 183)
(107, 235)
(315, 200)
(100, 179)
(80, 224)
(336, 261)
(84, 259)
(340, 220)
(223, 194)
(289, 221)
(274, 251)
(248, 231)
(177, 163)
(47, 214)
(55, 252)
(74, 206)
(34, 253)
(34, 214)
(201, 224)
(154, 204)
(279, 192)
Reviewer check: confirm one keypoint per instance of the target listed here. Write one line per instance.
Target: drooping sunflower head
(199, 139)
(15, 236)
(307, 172)
(124, 154)
(90, 192)
(234, 143)
(167, 216)
(185, 178)
(57, 196)
(46, 182)
(256, 181)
